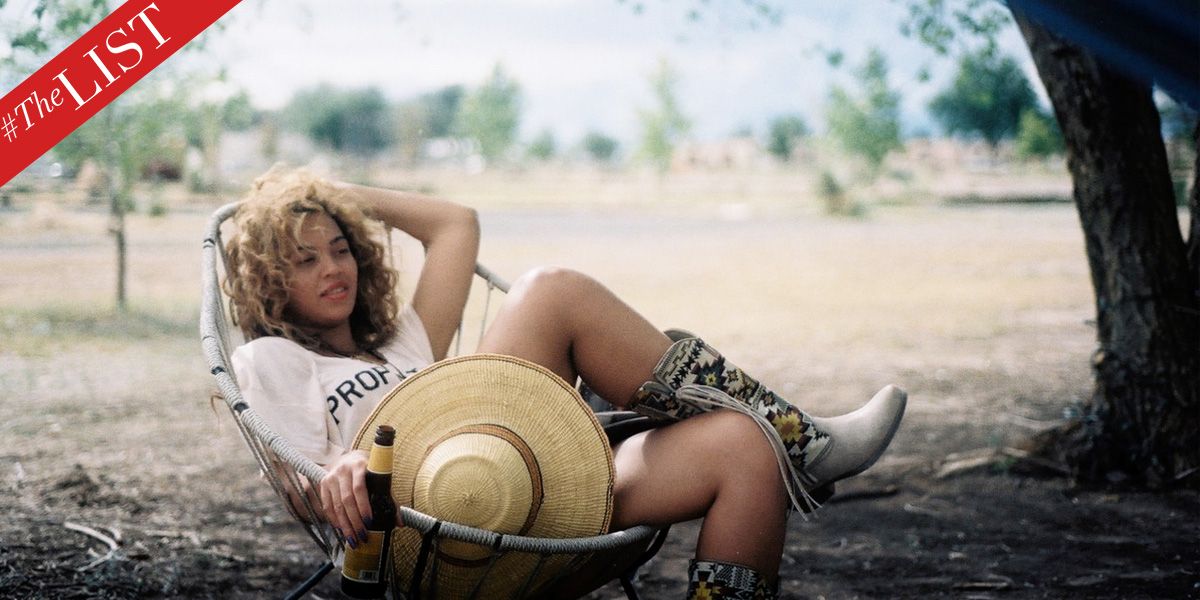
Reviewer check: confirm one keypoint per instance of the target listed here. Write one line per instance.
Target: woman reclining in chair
(312, 292)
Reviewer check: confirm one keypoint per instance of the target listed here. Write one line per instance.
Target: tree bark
(120, 187)
(1142, 423)
(122, 261)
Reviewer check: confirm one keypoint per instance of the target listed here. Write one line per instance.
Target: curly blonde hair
(262, 250)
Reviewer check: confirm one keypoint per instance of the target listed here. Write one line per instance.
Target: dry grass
(825, 309)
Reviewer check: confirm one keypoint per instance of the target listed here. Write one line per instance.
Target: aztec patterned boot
(712, 580)
(692, 377)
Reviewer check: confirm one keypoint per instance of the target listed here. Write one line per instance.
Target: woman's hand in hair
(344, 497)
(450, 234)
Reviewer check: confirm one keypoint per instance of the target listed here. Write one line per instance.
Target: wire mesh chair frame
(283, 465)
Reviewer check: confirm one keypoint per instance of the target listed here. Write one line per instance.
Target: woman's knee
(743, 449)
(551, 282)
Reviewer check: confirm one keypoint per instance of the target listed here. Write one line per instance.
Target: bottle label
(380, 460)
(363, 564)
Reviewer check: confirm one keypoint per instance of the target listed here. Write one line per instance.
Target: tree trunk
(119, 187)
(1142, 424)
(116, 227)
(122, 259)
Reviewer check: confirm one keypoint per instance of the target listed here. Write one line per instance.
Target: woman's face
(324, 279)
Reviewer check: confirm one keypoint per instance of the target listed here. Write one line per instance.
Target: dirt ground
(982, 314)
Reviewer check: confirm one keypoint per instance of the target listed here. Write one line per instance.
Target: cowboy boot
(712, 580)
(821, 450)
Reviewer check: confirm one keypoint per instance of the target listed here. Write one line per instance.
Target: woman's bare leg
(573, 325)
(676, 473)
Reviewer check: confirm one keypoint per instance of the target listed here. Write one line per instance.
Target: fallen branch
(88, 531)
(1185, 474)
(921, 510)
(222, 554)
(1037, 461)
(966, 464)
(114, 533)
(92, 533)
(189, 535)
(957, 464)
(869, 494)
(1034, 424)
(984, 585)
(102, 559)
(957, 456)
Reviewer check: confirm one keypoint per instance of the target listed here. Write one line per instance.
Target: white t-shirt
(318, 402)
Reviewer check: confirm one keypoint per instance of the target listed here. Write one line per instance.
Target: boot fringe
(706, 398)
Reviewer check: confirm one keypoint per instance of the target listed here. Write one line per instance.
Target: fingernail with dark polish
(362, 535)
(367, 521)
(350, 541)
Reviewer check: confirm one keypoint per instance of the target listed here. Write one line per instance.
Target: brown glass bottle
(363, 572)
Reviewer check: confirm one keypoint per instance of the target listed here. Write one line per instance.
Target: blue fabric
(1157, 41)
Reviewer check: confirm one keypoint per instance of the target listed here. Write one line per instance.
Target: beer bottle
(364, 566)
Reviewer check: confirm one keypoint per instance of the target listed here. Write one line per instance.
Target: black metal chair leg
(627, 585)
(310, 583)
(628, 576)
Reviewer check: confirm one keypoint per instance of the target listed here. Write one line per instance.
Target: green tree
(430, 115)
(664, 125)
(140, 125)
(218, 107)
(492, 114)
(441, 110)
(986, 99)
(600, 147)
(1141, 424)
(238, 112)
(543, 147)
(867, 123)
(1038, 135)
(154, 126)
(784, 131)
(412, 129)
(354, 121)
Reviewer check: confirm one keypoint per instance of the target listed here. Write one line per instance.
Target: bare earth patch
(981, 313)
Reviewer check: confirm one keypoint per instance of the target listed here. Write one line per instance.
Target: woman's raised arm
(450, 234)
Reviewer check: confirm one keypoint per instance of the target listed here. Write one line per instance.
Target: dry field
(982, 313)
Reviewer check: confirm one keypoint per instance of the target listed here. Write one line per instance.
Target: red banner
(94, 70)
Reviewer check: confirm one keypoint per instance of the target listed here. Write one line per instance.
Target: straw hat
(498, 443)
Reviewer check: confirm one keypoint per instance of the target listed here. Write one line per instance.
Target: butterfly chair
(592, 561)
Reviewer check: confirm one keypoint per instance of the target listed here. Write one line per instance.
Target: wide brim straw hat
(501, 444)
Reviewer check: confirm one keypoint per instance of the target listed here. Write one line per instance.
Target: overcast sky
(582, 64)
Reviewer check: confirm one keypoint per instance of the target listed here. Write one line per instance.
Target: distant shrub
(1038, 135)
(833, 195)
(543, 147)
(784, 132)
(158, 208)
(599, 146)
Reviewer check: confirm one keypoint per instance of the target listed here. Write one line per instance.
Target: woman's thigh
(574, 326)
(679, 471)
(716, 465)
